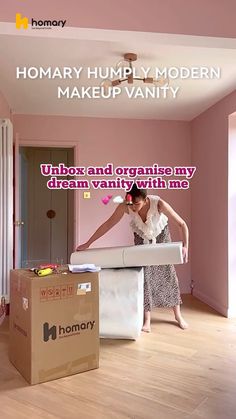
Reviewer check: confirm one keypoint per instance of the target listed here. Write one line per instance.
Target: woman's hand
(82, 247)
(185, 254)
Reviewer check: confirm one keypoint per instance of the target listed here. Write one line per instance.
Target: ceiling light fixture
(128, 74)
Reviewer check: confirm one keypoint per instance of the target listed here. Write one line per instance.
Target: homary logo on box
(23, 22)
(64, 331)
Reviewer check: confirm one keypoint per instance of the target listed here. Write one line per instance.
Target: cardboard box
(54, 324)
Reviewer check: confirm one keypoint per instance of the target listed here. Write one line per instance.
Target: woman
(149, 222)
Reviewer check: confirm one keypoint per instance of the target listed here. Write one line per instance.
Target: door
(46, 215)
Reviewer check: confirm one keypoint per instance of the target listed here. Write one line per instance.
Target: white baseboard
(211, 302)
(232, 313)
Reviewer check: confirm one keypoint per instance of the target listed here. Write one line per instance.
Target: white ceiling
(89, 47)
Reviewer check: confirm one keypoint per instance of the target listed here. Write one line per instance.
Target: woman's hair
(135, 192)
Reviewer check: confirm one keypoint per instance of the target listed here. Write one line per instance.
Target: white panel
(154, 254)
(6, 204)
(121, 303)
(106, 257)
(119, 257)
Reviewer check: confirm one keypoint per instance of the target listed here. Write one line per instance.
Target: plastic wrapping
(121, 303)
(120, 257)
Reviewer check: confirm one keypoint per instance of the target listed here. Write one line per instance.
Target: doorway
(47, 216)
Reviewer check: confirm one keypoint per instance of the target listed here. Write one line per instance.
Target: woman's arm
(105, 227)
(171, 214)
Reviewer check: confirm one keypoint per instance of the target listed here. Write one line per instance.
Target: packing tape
(68, 368)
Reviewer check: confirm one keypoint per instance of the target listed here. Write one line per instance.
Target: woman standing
(149, 216)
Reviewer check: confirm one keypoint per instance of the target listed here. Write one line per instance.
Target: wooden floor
(168, 374)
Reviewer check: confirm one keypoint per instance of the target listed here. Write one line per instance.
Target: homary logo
(65, 331)
(23, 22)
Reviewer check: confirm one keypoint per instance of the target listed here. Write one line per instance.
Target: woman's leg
(146, 321)
(147, 294)
(179, 318)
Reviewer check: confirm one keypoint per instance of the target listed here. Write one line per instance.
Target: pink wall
(202, 17)
(4, 107)
(122, 142)
(231, 215)
(209, 203)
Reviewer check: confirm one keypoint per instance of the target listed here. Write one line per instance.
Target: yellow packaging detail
(44, 272)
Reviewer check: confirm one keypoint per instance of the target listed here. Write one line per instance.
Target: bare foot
(146, 328)
(182, 323)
